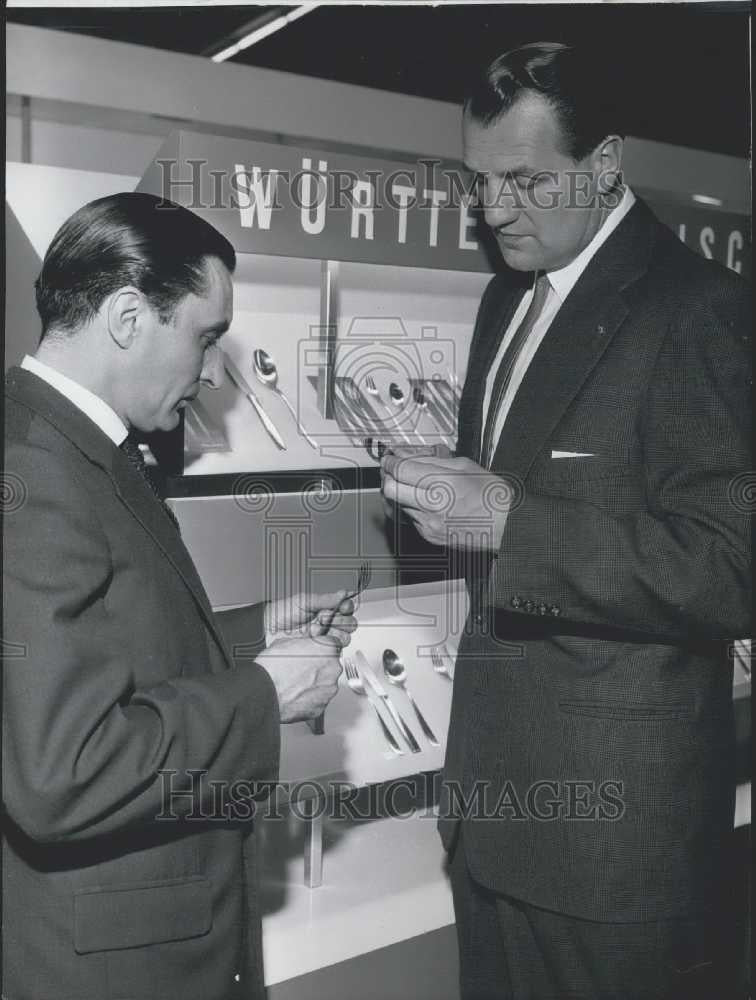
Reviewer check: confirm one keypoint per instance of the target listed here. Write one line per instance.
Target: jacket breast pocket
(131, 916)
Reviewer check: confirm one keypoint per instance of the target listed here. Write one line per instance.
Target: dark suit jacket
(594, 692)
(117, 670)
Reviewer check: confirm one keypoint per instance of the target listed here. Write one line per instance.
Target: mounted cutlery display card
(353, 312)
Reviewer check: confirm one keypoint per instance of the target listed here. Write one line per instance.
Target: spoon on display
(267, 373)
(372, 390)
(396, 673)
(397, 398)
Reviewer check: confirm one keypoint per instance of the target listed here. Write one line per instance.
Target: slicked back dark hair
(125, 239)
(581, 88)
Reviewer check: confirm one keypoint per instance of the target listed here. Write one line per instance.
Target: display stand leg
(313, 845)
(329, 319)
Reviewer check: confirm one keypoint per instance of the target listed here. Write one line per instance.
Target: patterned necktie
(506, 367)
(133, 452)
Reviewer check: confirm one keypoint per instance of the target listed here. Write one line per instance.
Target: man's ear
(123, 312)
(608, 162)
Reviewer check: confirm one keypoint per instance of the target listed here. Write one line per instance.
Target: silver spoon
(267, 373)
(396, 673)
(397, 398)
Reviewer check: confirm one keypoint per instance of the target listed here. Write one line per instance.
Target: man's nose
(502, 213)
(500, 207)
(212, 367)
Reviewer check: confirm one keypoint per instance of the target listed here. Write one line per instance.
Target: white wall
(68, 67)
(38, 200)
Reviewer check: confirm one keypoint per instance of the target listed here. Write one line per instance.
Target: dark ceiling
(686, 65)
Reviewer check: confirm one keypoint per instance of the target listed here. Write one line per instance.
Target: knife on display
(378, 689)
(244, 387)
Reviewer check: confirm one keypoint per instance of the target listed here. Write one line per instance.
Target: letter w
(255, 196)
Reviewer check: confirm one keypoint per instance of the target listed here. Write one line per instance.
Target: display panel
(400, 349)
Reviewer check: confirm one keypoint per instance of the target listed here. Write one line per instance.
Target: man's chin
(518, 258)
(166, 423)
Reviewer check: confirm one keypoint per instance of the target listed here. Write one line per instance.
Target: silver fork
(439, 665)
(356, 684)
(364, 574)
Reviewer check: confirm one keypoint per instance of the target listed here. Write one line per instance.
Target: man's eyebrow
(519, 170)
(218, 329)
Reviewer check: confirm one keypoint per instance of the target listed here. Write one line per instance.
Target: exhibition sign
(270, 198)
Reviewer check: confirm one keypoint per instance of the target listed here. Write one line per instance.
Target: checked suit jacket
(592, 705)
(115, 669)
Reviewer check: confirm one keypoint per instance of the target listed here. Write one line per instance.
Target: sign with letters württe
(295, 202)
(292, 201)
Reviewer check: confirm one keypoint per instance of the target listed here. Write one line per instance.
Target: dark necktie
(506, 367)
(133, 452)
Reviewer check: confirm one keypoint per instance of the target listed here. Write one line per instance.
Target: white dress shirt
(92, 406)
(562, 282)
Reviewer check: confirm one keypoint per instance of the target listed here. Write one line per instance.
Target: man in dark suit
(603, 429)
(132, 740)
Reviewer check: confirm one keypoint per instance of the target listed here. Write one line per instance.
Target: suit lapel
(128, 484)
(142, 504)
(574, 343)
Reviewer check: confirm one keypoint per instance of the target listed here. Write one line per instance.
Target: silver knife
(379, 689)
(244, 387)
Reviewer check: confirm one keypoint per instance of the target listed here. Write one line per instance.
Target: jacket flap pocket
(130, 916)
(628, 712)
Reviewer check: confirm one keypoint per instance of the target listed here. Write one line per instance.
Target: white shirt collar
(95, 408)
(565, 279)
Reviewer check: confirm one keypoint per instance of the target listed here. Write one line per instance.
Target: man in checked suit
(125, 875)
(603, 429)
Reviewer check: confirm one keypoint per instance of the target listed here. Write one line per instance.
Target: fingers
(410, 470)
(407, 495)
(323, 602)
(342, 636)
(407, 469)
(412, 451)
(431, 530)
(324, 638)
(389, 509)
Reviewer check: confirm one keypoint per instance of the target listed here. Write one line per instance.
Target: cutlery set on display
(369, 416)
(364, 681)
(363, 410)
